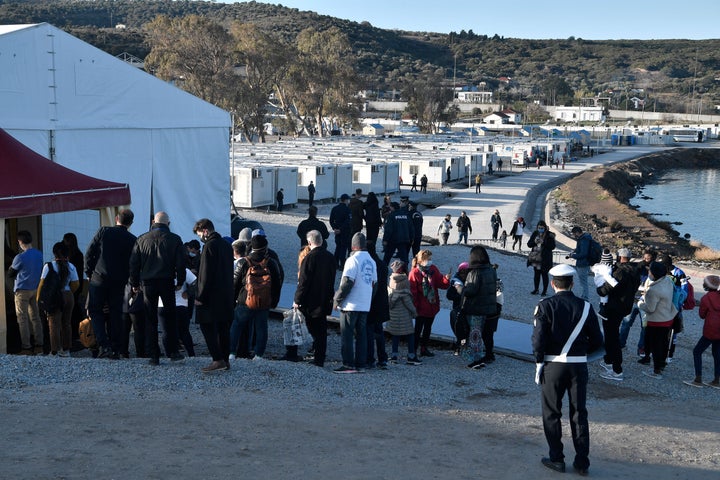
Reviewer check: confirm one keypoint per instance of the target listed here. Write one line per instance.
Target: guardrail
(558, 254)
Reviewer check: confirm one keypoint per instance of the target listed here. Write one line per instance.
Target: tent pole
(3, 316)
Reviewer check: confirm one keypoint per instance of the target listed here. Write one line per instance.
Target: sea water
(687, 198)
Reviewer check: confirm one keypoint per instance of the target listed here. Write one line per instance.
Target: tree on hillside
(556, 90)
(265, 60)
(429, 102)
(321, 82)
(195, 53)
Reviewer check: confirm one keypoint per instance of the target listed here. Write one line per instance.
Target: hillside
(674, 74)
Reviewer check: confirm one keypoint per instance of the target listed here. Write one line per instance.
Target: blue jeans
(461, 236)
(625, 326)
(583, 274)
(410, 341)
(701, 346)
(354, 350)
(258, 322)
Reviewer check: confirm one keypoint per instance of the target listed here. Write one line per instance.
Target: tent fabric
(33, 185)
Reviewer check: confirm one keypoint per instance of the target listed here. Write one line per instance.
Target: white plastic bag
(295, 331)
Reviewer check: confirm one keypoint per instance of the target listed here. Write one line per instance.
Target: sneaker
(476, 365)
(618, 377)
(394, 359)
(63, 353)
(413, 361)
(232, 357)
(714, 384)
(641, 352)
(645, 360)
(693, 383)
(607, 367)
(424, 352)
(669, 360)
(652, 374)
(488, 359)
(557, 466)
(345, 369)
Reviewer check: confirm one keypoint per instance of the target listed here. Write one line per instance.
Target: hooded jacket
(422, 304)
(402, 309)
(657, 304)
(710, 312)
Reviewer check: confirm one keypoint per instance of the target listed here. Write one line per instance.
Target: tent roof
(33, 185)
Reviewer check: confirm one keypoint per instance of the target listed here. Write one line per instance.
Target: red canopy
(30, 184)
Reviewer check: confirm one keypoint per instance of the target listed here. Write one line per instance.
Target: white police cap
(562, 270)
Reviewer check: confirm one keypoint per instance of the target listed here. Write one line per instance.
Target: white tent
(100, 116)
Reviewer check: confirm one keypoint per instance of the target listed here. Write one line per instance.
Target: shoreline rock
(598, 201)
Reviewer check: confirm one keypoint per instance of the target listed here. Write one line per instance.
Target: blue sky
(609, 20)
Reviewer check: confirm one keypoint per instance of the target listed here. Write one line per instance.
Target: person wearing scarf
(425, 279)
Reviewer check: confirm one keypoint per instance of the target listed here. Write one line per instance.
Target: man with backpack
(258, 282)
(681, 292)
(583, 258)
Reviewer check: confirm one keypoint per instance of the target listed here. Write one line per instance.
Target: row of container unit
(516, 152)
(256, 185)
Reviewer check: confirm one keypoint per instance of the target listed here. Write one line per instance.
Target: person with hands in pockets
(565, 330)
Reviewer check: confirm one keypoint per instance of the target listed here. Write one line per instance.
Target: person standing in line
(25, 270)
(414, 183)
(425, 280)
(565, 330)
(620, 299)
(401, 313)
(214, 299)
(314, 293)
(398, 233)
(479, 302)
(464, 226)
(373, 218)
(107, 266)
(710, 312)
(444, 228)
(309, 224)
(496, 224)
(340, 222)
(478, 182)
(280, 197)
(311, 193)
(643, 270)
(417, 220)
(657, 304)
(581, 254)
(423, 184)
(541, 245)
(379, 314)
(517, 233)
(356, 206)
(157, 266)
(59, 320)
(76, 257)
(448, 172)
(353, 299)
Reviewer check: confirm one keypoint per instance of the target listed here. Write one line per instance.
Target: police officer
(565, 330)
(417, 222)
(398, 233)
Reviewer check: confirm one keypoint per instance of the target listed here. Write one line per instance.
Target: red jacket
(710, 311)
(422, 304)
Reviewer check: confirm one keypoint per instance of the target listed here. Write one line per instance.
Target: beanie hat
(258, 242)
(606, 257)
(463, 266)
(625, 253)
(711, 283)
(398, 266)
(358, 241)
(658, 270)
(399, 281)
(245, 234)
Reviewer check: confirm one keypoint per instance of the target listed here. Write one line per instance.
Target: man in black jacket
(309, 224)
(157, 265)
(620, 298)
(565, 330)
(398, 233)
(215, 296)
(107, 265)
(357, 210)
(340, 222)
(315, 290)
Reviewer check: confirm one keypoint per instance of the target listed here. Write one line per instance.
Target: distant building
(373, 130)
(474, 97)
(577, 114)
(504, 117)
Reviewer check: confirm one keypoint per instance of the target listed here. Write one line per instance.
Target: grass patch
(704, 253)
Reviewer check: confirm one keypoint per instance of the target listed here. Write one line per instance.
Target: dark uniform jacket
(555, 319)
(310, 224)
(316, 283)
(357, 209)
(340, 219)
(399, 227)
(108, 254)
(158, 255)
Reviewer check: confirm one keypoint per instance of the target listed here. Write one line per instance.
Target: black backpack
(594, 252)
(51, 298)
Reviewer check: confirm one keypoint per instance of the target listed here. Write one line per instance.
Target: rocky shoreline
(598, 201)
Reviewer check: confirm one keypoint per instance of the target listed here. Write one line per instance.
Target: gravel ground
(279, 419)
